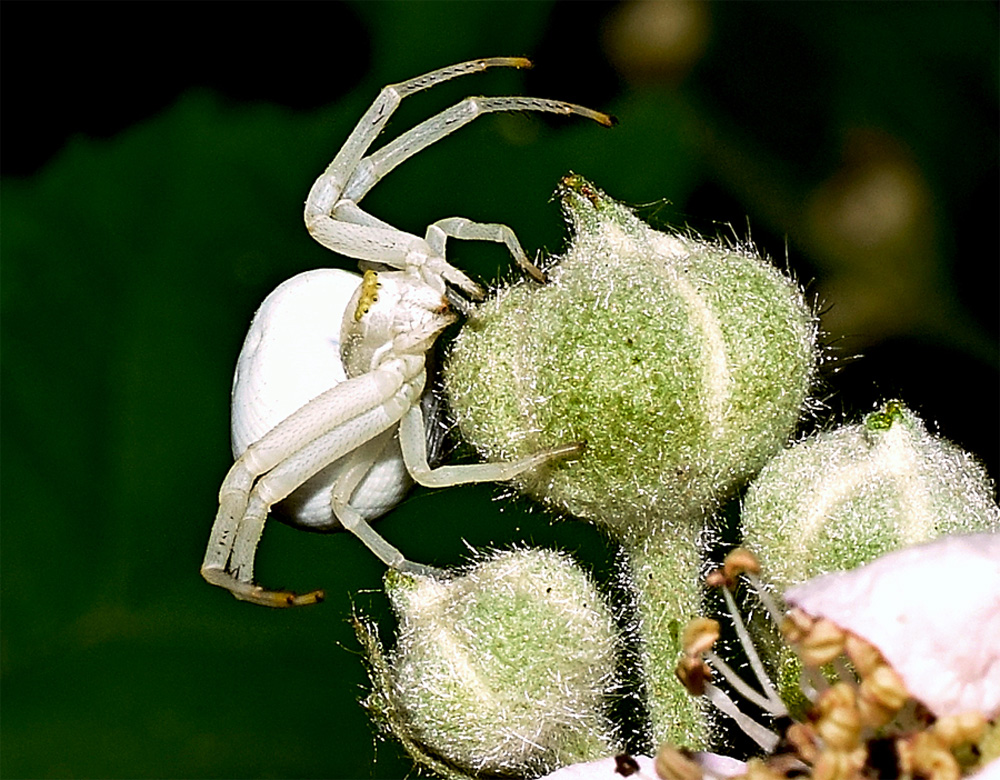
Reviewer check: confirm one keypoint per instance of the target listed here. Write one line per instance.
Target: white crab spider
(362, 424)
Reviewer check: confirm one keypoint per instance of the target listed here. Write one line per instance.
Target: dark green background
(152, 197)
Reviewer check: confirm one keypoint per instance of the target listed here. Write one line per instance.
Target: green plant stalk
(665, 572)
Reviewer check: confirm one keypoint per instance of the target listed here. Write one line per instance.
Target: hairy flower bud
(503, 670)
(681, 364)
(844, 497)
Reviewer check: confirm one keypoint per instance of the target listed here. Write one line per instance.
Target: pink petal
(604, 769)
(989, 772)
(933, 610)
(714, 766)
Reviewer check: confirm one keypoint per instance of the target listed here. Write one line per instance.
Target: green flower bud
(682, 364)
(504, 670)
(845, 497)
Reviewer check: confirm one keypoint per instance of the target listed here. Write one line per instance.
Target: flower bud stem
(665, 573)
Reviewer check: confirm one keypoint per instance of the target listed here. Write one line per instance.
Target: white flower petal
(933, 610)
(714, 766)
(604, 769)
(989, 772)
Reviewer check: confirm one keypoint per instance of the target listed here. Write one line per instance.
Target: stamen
(699, 636)
(955, 730)
(864, 656)
(924, 755)
(740, 561)
(755, 663)
(839, 724)
(765, 738)
(693, 674)
(770, 605)
(748, 693)
(882, 695)
(804, 741)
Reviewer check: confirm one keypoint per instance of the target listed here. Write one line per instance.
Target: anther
(822, 643)
(674, 764)
(956, 730)
(796, 625)
(882, 695)
(839, 724)
(693, 673)
(740, 561)
(803, 739)
(699, 636)
(864, 656)
(924, 755)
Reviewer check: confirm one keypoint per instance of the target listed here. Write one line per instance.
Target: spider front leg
(331, 213)
(413, 442)
(328, 188)
(460, 227)
(372, 169)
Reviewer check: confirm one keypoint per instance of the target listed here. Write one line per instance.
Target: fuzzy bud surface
(506, 669)
(844, 497)
(681, 364)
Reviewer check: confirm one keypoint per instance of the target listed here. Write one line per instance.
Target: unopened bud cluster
(682, 367)
(681, 364)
